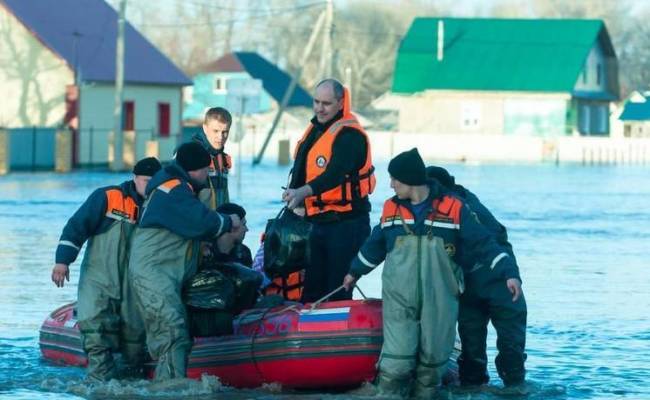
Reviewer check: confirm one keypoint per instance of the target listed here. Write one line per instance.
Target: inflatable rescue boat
(332, 345)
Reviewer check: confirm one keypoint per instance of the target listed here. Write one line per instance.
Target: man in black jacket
(487, 298)
(216, 129)
(330, 181)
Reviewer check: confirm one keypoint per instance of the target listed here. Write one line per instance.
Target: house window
(599, 73)
(627, 132)
(603, 125)
(188, 94)
(128, 116)
(470, 115)
(163, 119)
(219, 85)
(584, 116)
(584, 75)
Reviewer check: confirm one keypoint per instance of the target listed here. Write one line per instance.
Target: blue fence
(31, 148)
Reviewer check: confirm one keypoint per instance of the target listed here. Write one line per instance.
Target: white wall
(477, 148)
(96, 113)
(32, 78)
(477, 112)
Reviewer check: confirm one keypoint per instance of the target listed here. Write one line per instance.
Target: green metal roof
(541, 55)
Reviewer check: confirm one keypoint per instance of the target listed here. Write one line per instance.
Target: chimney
(441, 40)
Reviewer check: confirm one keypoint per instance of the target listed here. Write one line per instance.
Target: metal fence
(93, 145)
(32, 149)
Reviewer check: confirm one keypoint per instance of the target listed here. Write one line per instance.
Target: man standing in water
(487, 299)
(107, 316)
(165, 253)
(422, 235)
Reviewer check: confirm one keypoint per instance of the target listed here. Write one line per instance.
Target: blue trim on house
(636, 111)
(602, 96)
(274, 80)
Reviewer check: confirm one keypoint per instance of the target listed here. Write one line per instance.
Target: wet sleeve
(181, 212)
(483, 248)
(83, 224)
(348, 155)
(372, 253)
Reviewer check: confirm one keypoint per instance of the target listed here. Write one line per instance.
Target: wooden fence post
(4, 151)
(63, 151)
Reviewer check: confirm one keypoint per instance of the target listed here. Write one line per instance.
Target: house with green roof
(536, 77)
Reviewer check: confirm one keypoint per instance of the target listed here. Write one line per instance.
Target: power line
(236, 20)
(249, 9)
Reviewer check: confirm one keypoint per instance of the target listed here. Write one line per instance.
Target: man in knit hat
(421, 236)
(488, 299)
(165, 252)
(107, 316)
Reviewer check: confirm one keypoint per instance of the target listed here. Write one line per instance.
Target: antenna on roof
(441, 39)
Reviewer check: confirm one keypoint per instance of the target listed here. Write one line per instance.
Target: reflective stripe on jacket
(97, 215)
(449, 218)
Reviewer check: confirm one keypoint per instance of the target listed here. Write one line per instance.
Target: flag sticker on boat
(70, 323)
(327, 319)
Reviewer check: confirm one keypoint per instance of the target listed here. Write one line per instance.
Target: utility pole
(325, 67)
(294, 80)
(117, 163)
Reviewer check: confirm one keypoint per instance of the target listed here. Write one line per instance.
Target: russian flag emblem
(328, 319)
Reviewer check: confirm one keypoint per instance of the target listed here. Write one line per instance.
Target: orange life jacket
(445, 214)
(356, 186)
(120, 206)
(290, 287)
(223, 163)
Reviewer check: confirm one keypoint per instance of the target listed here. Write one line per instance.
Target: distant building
(539, 77)
(636, 115)
(211, 85)
(58, 69)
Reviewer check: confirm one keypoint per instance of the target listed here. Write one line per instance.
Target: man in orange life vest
(108, 320)
(216, 128)
(330, 181)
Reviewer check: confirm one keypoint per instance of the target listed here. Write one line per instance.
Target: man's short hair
(337, 87)
(232, 208)
(218, 113)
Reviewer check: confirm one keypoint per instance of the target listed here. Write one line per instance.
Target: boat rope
(324, 298)
(361, 291)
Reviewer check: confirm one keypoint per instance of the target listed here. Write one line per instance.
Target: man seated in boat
(230, 246)
(225, 285)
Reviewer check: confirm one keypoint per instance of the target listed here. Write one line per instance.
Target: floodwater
(581, 235)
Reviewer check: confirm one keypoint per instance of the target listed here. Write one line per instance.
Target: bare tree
(626, 22)
(27, 62)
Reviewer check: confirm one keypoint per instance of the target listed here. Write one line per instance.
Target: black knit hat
(147, 166)
(192, 156)
(408, 168)
(441, 175)
(232, 208)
